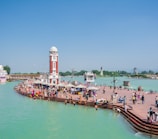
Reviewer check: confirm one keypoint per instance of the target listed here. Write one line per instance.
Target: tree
(82, 72)
(7, 68)
(67, 73)
(144, 72)
(96, 72)
(151, 72)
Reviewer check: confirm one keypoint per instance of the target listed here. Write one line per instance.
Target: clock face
(54, 58)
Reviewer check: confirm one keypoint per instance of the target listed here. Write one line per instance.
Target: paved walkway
(139, 109)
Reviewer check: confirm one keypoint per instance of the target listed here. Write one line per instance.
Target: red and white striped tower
(53, 66)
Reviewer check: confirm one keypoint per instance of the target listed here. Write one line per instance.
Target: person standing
(150, 114)
(133, 99)
(124, 100)
(135, 95)
(142, 98)
(104, 90)
(125, 107)
(156, 101)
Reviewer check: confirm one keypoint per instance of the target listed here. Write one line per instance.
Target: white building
(3, 75)
(89, 77)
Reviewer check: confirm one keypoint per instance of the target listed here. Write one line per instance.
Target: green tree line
(7, 68)
(97, 72)
(108, 73)
(105, 73)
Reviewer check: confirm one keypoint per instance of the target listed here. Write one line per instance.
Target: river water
(25, 118)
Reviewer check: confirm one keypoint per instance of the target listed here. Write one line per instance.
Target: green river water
(25, 118)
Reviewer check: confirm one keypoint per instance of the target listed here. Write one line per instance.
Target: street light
(114, 82)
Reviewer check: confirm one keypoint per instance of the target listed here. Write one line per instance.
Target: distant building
(126, 83)
(89, 77)
(101, 71)
(135, 71)
(3, 75)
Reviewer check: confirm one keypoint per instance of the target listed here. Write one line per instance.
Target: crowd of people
(101, 96)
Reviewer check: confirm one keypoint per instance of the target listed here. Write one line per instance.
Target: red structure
(53, 66)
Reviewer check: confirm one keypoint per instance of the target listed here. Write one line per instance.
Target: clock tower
(53, 66)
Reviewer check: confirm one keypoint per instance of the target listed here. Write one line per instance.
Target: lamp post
(72, 74)
(114, 82)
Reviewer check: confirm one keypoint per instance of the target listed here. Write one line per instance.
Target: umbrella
(69, 85)
(51, 84)
(80, 86)
(75, 83)
(92, 88)
(37, 82)
(61, 85)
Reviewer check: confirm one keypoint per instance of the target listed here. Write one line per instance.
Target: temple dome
(53, 49)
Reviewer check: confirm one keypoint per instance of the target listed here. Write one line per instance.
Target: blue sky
(114, 34)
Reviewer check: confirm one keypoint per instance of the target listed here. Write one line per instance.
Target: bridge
(12, 77)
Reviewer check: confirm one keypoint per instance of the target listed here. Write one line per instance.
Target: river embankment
(135, 113)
